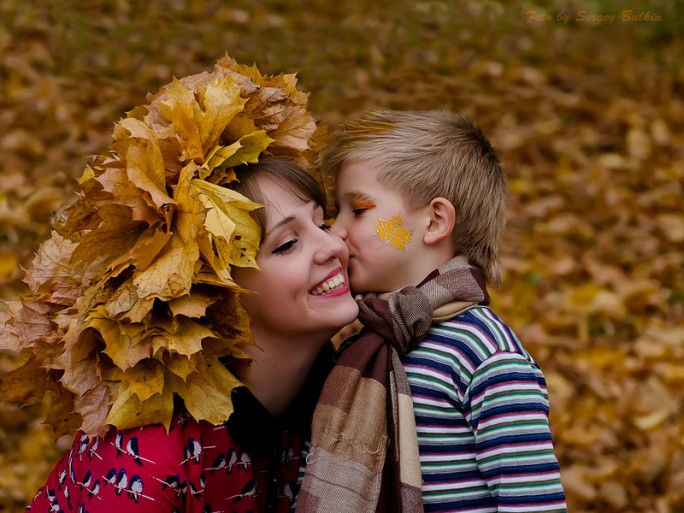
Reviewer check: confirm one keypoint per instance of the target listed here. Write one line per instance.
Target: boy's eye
(359, 207)
(286, 247)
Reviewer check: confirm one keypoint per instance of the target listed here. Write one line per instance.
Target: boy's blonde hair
(428, 154)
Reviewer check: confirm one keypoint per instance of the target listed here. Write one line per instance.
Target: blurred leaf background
(587, 114)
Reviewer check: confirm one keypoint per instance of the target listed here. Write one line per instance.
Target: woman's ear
(441, 222)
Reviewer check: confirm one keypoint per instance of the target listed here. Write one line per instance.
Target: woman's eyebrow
(280, 223)
(289, 219)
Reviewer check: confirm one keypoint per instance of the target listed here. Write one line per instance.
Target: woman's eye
(325, 227)
(358, 211)
(285, 248)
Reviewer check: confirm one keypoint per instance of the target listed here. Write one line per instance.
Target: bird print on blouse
(194, 468)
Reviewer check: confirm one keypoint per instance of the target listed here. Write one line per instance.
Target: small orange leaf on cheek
(392, 233)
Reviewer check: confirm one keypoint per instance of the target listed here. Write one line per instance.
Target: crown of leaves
(132, 303)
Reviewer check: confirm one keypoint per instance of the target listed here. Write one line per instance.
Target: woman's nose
(330, 246)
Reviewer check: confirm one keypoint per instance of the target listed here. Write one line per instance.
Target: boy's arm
(508, 410)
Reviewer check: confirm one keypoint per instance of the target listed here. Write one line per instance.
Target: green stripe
(502, 339)
(518, 457)
(528, 426)
(459, 333)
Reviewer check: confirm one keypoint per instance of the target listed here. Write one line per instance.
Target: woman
(140, 294)
(297, 299)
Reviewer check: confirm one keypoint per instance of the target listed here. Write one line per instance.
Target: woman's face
(301, 288)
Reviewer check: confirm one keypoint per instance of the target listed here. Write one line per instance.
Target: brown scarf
(364, 457)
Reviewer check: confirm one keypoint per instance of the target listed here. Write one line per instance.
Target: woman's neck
(278, 370)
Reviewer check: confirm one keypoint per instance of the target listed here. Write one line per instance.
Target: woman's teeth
(333, 283)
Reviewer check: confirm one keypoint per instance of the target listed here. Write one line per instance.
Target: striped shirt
(481, 408)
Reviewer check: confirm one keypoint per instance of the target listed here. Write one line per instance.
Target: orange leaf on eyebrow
(392, 233)
(363, 204)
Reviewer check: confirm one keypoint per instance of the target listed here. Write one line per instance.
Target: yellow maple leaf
(198, 122)
(218, 104)
(246, 149)
(146, 378)
(123, 192)
(148, 246)
(80, 376)
(294, 131)
(229, 224)
(24, 385)
(276, 106)
(94, 406)
(232, 325)
(24, 323)
(124, 351)
(194, 304)
(180, 365)
(130, 411)
(51, 276)
(61, 413)
(171, 274)
(97, 256)
(179, 335)
(207, 392)
(392, 233)
(123, 300)
(138, 143)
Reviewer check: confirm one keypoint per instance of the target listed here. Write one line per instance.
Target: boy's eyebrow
(358, 195)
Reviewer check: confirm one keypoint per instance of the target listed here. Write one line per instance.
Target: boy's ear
(441, 222)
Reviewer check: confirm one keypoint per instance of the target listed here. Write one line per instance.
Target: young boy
(421, 199)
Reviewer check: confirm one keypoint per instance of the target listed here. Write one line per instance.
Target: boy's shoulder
(477, 330)
(478, 315)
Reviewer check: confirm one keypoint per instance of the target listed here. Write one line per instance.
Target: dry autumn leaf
(133, 300)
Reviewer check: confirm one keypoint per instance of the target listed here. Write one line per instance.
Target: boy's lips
(332, 283)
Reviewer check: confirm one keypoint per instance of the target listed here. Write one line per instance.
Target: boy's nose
(338, 229)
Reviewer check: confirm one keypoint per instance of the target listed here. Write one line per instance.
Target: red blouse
(250, 464)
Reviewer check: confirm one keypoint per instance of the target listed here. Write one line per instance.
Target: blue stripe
(462, 506)
(513, 408)
(522, 469)
(452, 476)
(502, 377)
(539, 499)
(452, 450)
(514, 440)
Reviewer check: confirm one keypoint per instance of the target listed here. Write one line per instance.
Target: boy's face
(384, 237)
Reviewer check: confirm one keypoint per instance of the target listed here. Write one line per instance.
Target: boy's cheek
(357, 284)
(392, 232)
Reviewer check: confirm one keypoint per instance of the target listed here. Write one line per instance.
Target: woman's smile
(333, 283)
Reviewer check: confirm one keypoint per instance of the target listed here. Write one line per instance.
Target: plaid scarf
(364, 457)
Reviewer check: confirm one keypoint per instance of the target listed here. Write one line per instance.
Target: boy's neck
(430, 259)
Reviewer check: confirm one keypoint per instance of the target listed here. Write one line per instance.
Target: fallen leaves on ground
(588, 119)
